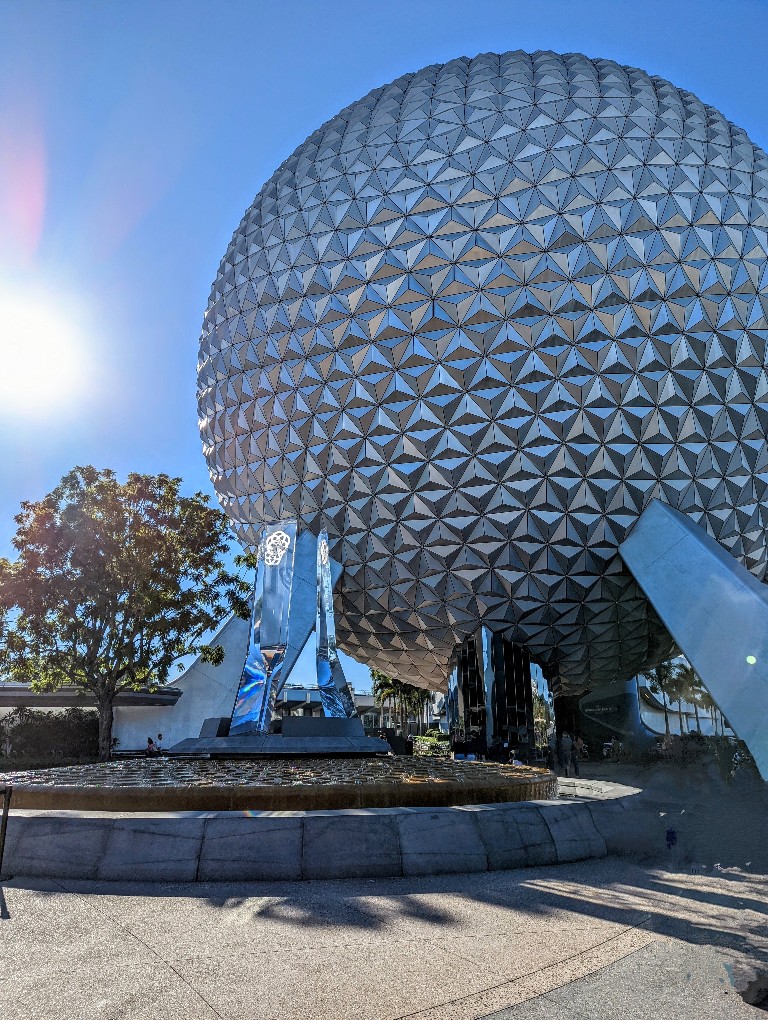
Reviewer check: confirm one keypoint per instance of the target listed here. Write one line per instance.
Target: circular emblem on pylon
(275, 547)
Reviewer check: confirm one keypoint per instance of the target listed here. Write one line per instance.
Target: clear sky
(134, 134)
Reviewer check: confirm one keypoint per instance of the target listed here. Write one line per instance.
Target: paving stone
(503, 839)
(153, 849)
(351, 844)
(56, 845)
(439, 841)
(240, 847)
(573, 831)
(535, 834)
(237, 846)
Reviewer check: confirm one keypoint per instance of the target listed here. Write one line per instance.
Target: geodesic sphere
(472, 326)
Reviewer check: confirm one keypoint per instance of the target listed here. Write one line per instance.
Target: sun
(44, 361)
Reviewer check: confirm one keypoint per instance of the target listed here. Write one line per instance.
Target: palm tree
(384, 690)
(708, 703)
(685, 683)
(418, 699)
(691, 689)
(406, 699)
(677, 688)
(661, 681)
(699, 696)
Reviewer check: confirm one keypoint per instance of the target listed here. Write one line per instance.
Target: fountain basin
(308, 784)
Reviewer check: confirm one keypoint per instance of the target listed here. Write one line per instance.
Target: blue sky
(134, 133)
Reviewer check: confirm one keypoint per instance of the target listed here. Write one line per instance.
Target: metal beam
(714, 608)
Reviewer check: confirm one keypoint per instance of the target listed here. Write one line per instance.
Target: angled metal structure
(335, 694)
(303, 602)
(255, 700)
(293, 595)
(716, 611)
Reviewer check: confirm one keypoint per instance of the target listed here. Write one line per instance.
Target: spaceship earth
(472, 326)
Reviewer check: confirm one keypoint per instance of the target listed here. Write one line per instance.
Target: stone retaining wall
(366, 843)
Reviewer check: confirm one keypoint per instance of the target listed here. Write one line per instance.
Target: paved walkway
(598, 939)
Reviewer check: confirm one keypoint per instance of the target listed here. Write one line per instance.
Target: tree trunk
(666, 714)
(680, 714)
(106, 716)
(696, 713)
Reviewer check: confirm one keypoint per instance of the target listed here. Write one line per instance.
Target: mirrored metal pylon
(335, 694)
(255, 700)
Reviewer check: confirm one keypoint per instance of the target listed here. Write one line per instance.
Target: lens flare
(44, 357)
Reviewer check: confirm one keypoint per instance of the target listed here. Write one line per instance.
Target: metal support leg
(335, 694)
(255, 700)
(716, 611)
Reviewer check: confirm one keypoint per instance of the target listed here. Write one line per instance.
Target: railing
(6, 791)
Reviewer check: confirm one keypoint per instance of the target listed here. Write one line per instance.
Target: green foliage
(435, 746)
(28, 735)
(404, 698)
(114, 583)
(734, 760)
(679, 682)
(664, 682)
(385, 688)
(660, 678)
(543, 716)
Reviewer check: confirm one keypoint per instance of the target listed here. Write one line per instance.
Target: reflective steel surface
(717, 612)
(255, 701)
(472, 326)
(335, 695)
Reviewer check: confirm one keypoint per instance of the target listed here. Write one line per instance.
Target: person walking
(552, 751)
(578, 751)
(566, 745)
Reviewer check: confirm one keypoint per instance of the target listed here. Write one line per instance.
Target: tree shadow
(725, 909)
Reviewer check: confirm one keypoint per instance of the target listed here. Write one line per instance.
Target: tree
(393, 691)
(405, 699)
(690, 687)
(696, 693)
(661, 680)
(385, 689)
(114, 583)
(542, 717)
(678, 689)
(417, 701)
(708, 703)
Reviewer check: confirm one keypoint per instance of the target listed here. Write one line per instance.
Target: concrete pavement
(601, 939)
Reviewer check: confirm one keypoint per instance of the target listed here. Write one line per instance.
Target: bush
(733, 759)
(438, 734)
(435, 746)
(29, 735)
